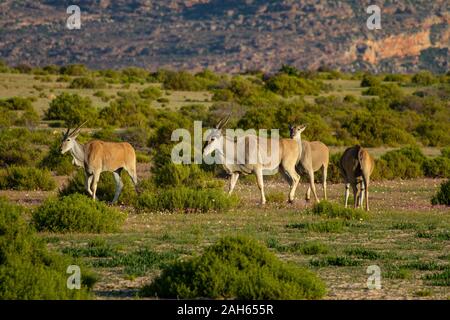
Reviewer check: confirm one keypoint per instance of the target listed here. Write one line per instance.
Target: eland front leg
(234, 178)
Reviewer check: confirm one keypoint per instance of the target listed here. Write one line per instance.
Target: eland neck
(77, 153)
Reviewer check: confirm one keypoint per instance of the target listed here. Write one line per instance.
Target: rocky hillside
(228, 35)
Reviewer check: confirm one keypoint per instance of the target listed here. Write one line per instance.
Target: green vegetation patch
(77, 213)
(27, 269)
(186, 199)
(235, 268)
(26, 178)
(331, 210)
(443, 195)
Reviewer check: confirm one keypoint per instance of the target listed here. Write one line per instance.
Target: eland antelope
(260, 155)
(315, 155)
(98, 156)
(356, 166)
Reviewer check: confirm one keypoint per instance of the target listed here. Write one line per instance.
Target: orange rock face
(397, 46)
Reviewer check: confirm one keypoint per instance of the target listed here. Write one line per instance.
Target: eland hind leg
(324, 182)
(119, 185)
(260, 181)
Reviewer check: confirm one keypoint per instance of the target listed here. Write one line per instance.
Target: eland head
(295, 130)
(68, 139)
(214, 140)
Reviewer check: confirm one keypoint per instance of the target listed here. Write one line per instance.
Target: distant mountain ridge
(228, 35)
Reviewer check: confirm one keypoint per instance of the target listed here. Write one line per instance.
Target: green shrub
(150, 93)
(184, 81)
(71, 108)
(331, 210)
(186, 199)
(235, 268)
(26, 178)
(128, 110)
(57, 162)
(405, 163)
(289, 86)
(385, 91)
(424, 78)
(74, 70)
(27, 269)
(16, 103)
(443, 195)
(22, 147)
(86, 83)
(445, 152)
(106, 187)
(395, 78)
(438, 167)
(370, 81)
(76, 213)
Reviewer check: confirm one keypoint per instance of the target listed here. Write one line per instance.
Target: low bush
(445, 152)
(438, 167)
(28, 271)
(288, 86)
(235, 268)
(16, 103)
(443, 195)
(71, 108)
(185, 81)
(128, 110)
(106, 187)
(76, 213)
(26, 178)
(150, 93)
(57, 162)
(370, 81)
(86, 83)
(405, 163)
(424, 78)
(22, 147)
(331, 210)
(186, 199)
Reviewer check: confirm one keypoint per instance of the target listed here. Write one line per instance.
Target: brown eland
(315, 156)
(356, 166)
(99, 156)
